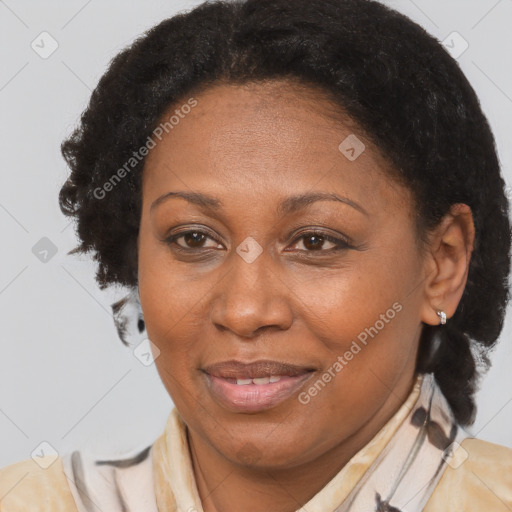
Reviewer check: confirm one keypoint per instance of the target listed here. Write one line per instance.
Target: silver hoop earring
(442, 316)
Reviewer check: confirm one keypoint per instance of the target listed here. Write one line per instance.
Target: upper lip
(234, 369)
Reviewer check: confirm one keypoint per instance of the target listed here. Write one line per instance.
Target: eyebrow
(286, 207)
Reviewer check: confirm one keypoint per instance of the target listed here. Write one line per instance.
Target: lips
(258, 369)
(256, 386)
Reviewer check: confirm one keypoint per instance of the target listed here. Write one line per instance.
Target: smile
(253, 387)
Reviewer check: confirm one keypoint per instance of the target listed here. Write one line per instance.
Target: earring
(442, 316)
(129, 318)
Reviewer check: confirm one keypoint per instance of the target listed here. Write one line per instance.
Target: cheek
(367, 314)
(342, 305)
(168, 304)
(169, 296)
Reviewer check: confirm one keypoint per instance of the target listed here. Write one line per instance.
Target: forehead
(251, 139)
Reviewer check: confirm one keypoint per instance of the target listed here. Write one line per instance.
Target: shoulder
(75, 480)
(479, 478)
(26, 486)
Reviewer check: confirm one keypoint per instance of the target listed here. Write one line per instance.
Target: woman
(306, 201)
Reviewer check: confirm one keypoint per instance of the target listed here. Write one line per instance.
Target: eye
(314, 241)
(193, 239)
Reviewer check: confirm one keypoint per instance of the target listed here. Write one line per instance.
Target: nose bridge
(251, 296)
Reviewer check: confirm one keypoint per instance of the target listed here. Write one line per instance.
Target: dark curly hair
(396, 81)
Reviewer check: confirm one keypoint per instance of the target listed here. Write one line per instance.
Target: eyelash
(341, 243)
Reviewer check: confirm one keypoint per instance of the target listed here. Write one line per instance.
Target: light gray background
(65, 378)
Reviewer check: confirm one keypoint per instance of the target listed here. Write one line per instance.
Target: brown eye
(316, 242)
(313, 242)
(193, 239)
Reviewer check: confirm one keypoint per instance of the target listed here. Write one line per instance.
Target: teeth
(261, 380)
(258, 380)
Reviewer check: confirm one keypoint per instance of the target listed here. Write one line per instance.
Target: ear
(447, 263)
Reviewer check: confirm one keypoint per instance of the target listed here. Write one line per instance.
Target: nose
(253, 297)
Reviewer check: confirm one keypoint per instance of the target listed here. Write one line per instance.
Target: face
(279, 249)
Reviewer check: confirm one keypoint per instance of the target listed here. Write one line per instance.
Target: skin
(251, 147)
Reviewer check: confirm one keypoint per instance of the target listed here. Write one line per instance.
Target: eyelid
(320, 231)
(170, 239)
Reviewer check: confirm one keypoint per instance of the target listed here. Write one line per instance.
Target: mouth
(256, 386)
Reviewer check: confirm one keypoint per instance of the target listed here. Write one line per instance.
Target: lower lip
(254, 397)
